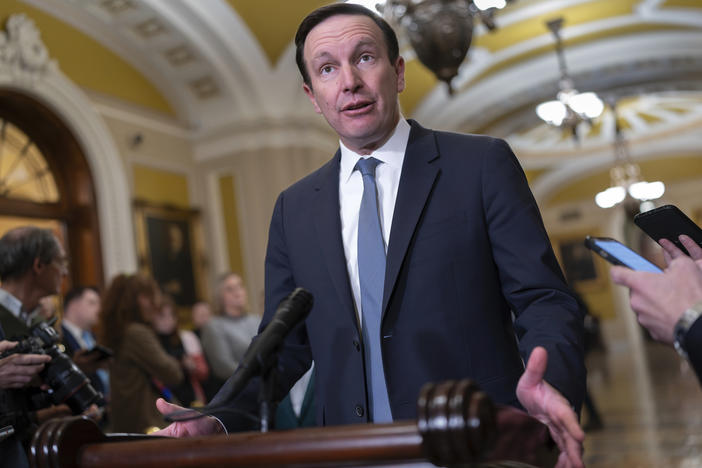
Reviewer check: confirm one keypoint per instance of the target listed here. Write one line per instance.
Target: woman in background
(227, 335)
(129, 306)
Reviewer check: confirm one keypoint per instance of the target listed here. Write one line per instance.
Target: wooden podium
(457, 425)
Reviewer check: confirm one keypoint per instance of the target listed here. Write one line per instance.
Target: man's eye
(326, 69)
(365, 58)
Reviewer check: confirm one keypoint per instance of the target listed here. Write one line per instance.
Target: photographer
(32, 265)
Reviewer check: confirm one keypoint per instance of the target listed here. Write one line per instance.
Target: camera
(67, 383)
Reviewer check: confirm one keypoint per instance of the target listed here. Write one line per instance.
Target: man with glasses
(33, 265)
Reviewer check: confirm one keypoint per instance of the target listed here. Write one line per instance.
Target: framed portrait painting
(169, 246)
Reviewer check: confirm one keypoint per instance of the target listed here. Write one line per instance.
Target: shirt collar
(10, 302)
(392, 152)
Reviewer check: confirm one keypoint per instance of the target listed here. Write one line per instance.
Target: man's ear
(310, 94)
(38, 266)
(400, 70)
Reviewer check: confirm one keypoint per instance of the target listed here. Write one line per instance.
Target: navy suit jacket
(467, 250)
(71, 344)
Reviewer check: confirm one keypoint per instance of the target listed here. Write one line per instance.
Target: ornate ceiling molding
(527, 83)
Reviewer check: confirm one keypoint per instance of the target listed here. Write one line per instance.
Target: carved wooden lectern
(457, 425)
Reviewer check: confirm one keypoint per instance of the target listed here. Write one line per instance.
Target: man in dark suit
(459, 248)
(81, 312)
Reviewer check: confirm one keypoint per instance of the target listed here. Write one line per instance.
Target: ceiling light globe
(487, 4)
(610, 197)
(587, 104)
(552, 112)
(647, 190)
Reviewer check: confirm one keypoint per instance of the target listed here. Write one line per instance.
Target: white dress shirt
(387, 180)
(13, 304)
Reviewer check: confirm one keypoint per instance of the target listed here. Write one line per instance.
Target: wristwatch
(683, 325)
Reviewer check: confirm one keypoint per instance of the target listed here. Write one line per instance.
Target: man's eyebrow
(321, 55)
(365, 43)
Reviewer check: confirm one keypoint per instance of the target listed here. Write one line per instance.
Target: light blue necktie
(88, 339)
(371, 272)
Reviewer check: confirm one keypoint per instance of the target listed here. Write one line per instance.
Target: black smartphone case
(668, 222)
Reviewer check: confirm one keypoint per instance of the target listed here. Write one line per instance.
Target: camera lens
(69, 384)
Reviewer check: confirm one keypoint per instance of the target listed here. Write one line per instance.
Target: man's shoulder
(449, 141)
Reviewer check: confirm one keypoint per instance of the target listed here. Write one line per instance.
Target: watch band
(683, 325)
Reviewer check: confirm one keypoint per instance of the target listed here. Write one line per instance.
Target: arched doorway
(74, 206)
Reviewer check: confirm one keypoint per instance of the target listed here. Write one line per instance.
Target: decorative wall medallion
(22, 52)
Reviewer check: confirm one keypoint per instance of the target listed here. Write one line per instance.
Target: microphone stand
(267, 406)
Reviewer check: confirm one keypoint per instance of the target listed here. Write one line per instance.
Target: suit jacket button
(357, 345)
(358, 411)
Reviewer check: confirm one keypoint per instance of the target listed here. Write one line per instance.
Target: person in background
(201, 313)
(185, 346)
(47, 307)
(81, 313)
(669, 304)
(227, 335)
(129, 306)
(33, 265)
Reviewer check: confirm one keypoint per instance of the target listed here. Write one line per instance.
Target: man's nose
(351, 79)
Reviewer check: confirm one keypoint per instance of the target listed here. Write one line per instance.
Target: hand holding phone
(668, 222)
(619, 254)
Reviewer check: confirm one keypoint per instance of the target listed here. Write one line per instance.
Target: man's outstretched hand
(205, 425)
(546, 404)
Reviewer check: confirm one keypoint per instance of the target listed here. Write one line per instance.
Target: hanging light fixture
(440, 31)
(626, 175)
(570, 108)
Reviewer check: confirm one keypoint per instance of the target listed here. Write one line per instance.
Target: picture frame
(583, 269)
(170, 248)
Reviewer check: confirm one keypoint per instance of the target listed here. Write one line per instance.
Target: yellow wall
(160, 187)
(88, 63)
(231, 222)
(274, 22)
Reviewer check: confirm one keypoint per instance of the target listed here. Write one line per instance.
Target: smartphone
(619, 254)
(668, 222)
(101, 351)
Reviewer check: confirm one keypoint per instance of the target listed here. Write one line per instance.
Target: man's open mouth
(356, 106)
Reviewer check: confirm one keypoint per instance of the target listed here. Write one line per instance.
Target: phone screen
(625, 255)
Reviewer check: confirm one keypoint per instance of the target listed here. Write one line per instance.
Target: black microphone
(293, 310)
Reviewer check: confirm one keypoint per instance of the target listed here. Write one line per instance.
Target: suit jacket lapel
(327, 221)
(416, 183)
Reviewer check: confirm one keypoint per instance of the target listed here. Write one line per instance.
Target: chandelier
(570, 108)
(626, 175)
(439, 31)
